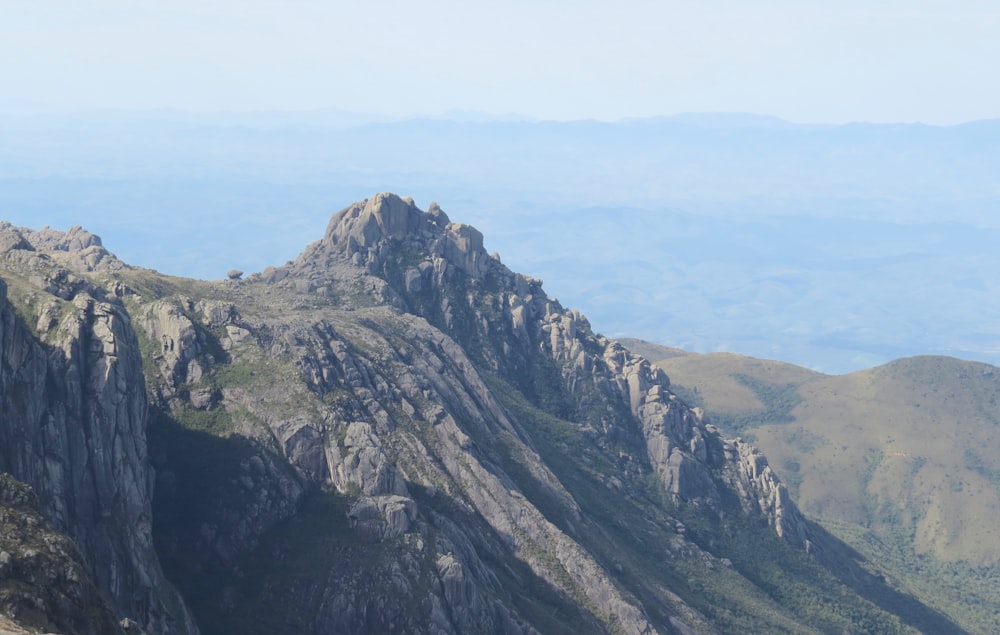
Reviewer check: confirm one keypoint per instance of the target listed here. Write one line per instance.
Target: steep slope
(396, 433)
(903, 455)
(74, 414)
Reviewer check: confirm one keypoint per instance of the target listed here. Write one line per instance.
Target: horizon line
(457, 115)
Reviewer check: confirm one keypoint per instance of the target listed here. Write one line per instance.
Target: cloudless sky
(803, 60)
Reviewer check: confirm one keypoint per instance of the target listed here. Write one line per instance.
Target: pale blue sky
(806, 61)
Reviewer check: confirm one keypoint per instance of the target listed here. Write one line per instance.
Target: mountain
(901, 460)
(74, 429)
(391, 433)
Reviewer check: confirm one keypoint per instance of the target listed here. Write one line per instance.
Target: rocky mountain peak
(76, 248)
(381, 217)
(388, 227)
(75, 238)
(394, 433)
(423, 264)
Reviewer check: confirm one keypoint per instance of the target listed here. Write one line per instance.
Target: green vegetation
(986, 469)
(778, 402)
(245, 372)
(968, 594)
(791, 476)
(153, 284)
(690, 396)
(892, 459)
(217, 421)
(149, 350)
(27, 301)
(757, 583)
(803, 440)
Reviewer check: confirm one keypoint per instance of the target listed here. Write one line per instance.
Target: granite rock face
(507, 319)
(392, 433)
(74, 417)
(408, 407)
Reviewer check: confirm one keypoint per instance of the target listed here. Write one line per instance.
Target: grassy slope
(901, 460)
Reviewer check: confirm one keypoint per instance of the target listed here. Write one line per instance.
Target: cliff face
(393, 433)
(74, 423)
(440, 271)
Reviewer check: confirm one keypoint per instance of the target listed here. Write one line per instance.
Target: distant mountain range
(833, 247)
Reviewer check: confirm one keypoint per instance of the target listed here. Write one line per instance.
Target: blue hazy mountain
(831, 246)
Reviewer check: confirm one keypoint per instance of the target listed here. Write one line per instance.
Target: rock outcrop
(74, 417)
(386, 380)
(392, 433)
(506, 318)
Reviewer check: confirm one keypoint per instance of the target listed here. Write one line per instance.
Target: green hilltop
(899, 460)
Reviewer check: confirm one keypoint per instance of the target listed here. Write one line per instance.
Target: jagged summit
(371, 231)
(76, 248)
(383, 216)
(424, 264)
(393, 433)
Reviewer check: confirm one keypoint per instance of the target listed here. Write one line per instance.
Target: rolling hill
(901, 460)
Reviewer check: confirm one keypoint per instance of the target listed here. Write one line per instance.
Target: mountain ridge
(396, 432)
